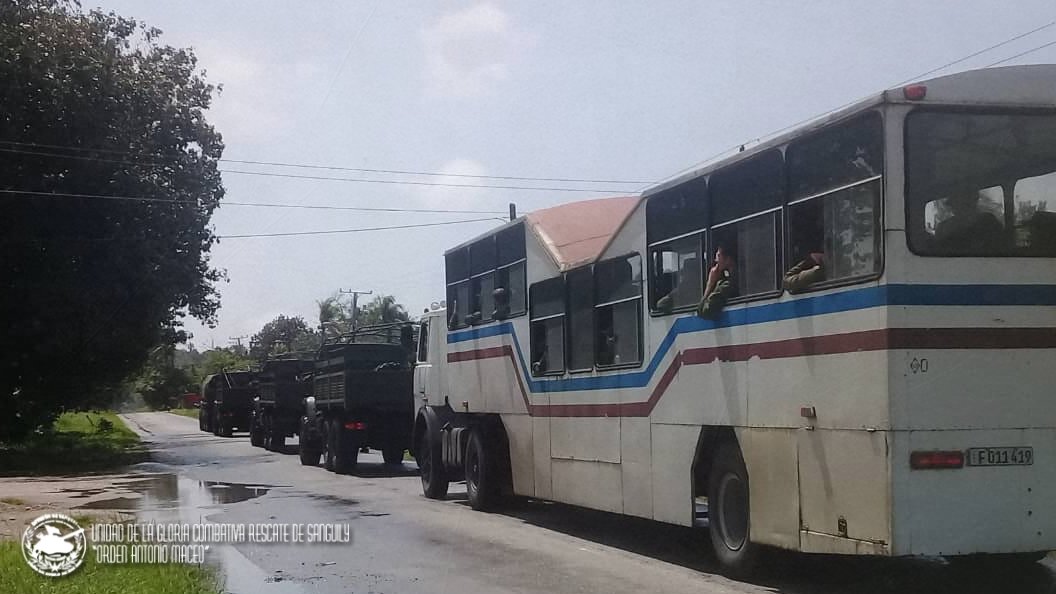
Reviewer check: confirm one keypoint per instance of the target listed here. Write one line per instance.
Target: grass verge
(78, 442)
(94, 578)
(185, 412)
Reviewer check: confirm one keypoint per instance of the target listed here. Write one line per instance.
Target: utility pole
(355, 303)
(238, 341)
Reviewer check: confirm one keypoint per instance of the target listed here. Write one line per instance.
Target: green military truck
(281, 387)
(227, 402)
(362, 397)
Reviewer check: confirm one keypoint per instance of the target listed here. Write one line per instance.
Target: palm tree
(383, 309)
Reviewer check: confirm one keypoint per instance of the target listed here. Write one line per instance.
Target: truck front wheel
(256, 437)
(345, 454)
(309, 450)
(431, 465)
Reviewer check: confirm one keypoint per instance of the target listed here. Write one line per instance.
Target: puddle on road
(168, 492)
(171, 498)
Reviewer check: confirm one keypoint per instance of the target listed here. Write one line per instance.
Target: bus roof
(1028, 85)
(576, 233)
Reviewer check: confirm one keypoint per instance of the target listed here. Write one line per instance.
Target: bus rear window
(981, 184)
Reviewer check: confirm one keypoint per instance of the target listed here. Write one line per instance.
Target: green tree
(283, 335)
(383, 309)
(161, 382)
(218, 360)
(93, 105)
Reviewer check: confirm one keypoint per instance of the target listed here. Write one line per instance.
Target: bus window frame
(639, 313)
(882, 215)
(533, 319)
(779, 249)
(964, 109)
(880, 244)
(703, 236)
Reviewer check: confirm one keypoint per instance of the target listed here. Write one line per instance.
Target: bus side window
(834, 203)
(547, 321)
(676, 274)
(618, 311)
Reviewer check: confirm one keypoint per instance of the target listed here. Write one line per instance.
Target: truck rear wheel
(393, 455)
(482, 481)
(431, 465)
(729, 513)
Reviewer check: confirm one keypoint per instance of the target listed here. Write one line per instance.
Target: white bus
(903, 403)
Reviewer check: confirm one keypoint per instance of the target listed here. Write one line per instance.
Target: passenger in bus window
(809, 271)
(722, 286)
(968, 229)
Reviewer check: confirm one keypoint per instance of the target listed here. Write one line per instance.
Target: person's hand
(817, 257)
(715, 274)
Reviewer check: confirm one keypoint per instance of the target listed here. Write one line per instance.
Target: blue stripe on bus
(854, 299)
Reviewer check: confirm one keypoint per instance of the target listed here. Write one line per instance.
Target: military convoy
(354, 394)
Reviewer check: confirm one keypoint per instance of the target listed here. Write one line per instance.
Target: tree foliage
(93, 104)
(336, 317)
(283, 335)
(161, 382)
(383, 309)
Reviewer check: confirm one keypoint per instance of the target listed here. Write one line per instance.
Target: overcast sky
(554, 89)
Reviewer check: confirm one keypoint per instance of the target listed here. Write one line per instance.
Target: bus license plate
(1000, 456)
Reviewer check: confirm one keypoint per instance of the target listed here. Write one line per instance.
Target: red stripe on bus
(830, 344)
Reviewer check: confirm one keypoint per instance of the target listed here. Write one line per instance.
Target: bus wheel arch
(719, 472)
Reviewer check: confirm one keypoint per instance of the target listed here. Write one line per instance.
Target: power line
(436, 173)
(421, 183)
(916, 77)
(303, 165)
(252, 235)
(974, 54)
(256, 204)
(360, 230)
(1020, 55)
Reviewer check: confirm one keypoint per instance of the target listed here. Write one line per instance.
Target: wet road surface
(403, 542)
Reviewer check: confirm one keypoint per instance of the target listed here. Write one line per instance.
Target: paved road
(406, 543)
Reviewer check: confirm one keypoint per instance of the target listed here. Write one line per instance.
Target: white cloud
(469, 51)
(456, 198)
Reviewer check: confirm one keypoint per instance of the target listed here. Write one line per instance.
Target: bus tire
(729, 514)
(430, 463)
(393, 455)
(482, 480)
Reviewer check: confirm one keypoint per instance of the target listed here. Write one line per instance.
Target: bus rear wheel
(729, 514)
(481, 476)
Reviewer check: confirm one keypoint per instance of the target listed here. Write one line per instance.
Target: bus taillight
(936, 460)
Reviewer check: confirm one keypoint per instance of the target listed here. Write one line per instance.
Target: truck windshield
(981, 184)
